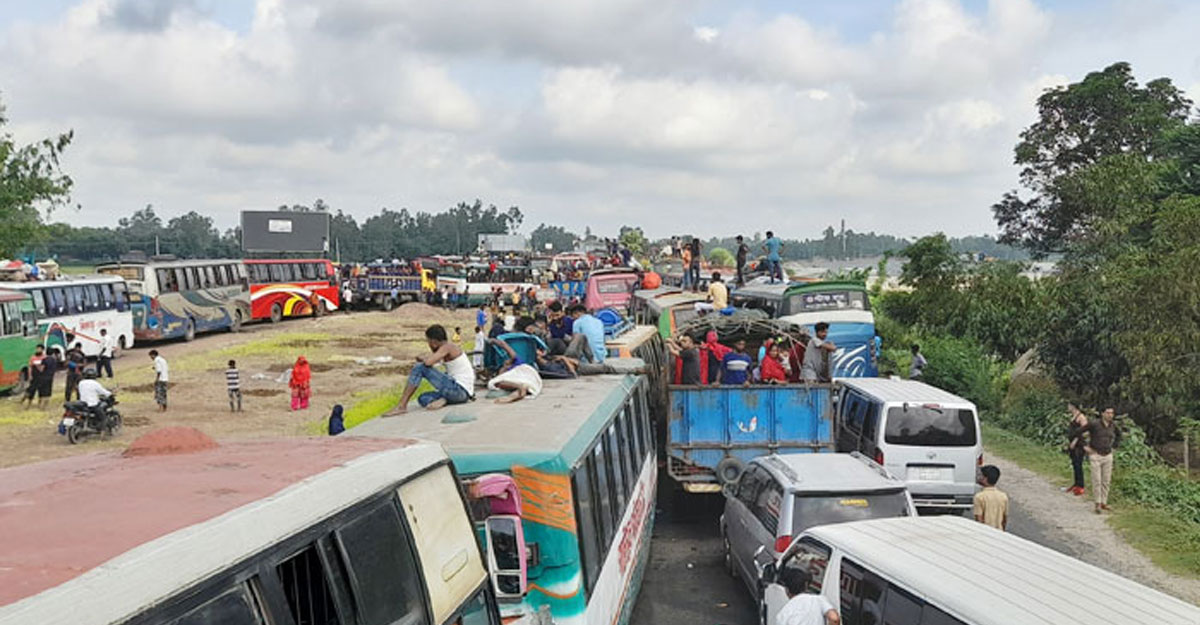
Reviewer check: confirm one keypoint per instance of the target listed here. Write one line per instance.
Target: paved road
(686, 582)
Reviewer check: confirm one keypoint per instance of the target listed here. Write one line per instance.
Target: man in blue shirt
(481, 317)
(587, 344)
(735, 366)
(774, 261)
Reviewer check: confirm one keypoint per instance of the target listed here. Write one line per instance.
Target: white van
(947, 570)
(922, 434)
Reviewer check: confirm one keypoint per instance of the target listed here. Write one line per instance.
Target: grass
(1172, 543)
(371, 404)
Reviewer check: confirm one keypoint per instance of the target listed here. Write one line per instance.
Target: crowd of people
(779, 360)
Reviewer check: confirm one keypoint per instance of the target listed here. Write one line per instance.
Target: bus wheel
(236, 324)
(276, 313)
(122, 344)
(319, 309)
(388, 303)
(189, 330)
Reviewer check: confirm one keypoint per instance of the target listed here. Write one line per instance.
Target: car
(781, 496)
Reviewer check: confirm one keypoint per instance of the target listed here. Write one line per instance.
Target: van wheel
(276, 313)
(189, 330)
(730, 470)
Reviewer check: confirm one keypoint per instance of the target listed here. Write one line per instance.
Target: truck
(377, 289)
(713, 431)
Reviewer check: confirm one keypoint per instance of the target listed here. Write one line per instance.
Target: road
(686, 582)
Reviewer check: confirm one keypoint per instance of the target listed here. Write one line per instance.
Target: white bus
(179, 298)
(328, 531)
(74, 311)
(947, 570)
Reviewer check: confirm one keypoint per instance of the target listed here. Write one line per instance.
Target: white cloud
(589, 112)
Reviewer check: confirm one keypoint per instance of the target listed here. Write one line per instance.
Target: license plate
(68, 421)
(931, 474)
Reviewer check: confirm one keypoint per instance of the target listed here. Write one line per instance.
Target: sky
(709, 117)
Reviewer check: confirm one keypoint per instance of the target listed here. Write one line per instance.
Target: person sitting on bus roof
(587, 343)
(454, 386)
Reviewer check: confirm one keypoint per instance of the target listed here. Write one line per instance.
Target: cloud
(587, 112)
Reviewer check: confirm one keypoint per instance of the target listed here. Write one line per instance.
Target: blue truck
(713, 431)
(378, 289)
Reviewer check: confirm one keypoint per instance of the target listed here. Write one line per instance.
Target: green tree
(1106, 114)
(30, 179)
(721, 257)
(192, 235)
(634, 239)
(560, 239)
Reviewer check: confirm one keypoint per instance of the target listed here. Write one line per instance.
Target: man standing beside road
(918, 363)
(1103, 437)
(803, 607)
(107, 349)
(161, 377)
(774, 246)
(816, 355)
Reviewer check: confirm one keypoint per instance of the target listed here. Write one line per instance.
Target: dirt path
(354, 357)
(1068, 524)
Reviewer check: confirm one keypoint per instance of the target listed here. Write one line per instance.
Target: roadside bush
(1036, 411)
(962, 367)
(899, 306)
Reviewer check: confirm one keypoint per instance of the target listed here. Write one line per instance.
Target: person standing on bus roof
(803, 607)
(686, 255)
(742, 252)
(161, 377)
(454, 386)
(107, 350)
(774, 246)
(695, 266)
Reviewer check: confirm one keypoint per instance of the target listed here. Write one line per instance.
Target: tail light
(782, 543)
(879, 457)
(979, 461)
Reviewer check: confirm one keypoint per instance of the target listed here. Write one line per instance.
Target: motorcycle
(79, 421)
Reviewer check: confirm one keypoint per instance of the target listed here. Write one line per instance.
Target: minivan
(951, 571)
(922, 434)
(780, 496)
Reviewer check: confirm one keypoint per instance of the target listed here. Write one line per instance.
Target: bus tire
(122, 343)
(189, 330)
(388, 304)
(730, 470)
(276, 313)
(236, 324)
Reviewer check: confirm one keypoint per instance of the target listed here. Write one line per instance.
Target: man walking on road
(991, 503)
(1103, 437)
(803, 607)
(107, 348)
(162, 375)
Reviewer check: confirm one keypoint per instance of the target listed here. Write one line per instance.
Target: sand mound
(170, 440)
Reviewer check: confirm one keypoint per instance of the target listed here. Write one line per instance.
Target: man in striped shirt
(233, 384)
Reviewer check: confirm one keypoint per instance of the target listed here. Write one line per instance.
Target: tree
(560, 239)
(192, 235)
(30, 179)
(634, 239)
(141, 229)
(1104, 115)
(720, 257)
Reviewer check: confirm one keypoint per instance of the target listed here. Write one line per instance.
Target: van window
(870, 426)
(929, 426)
(933, 616)
(767, 505)
(812, 556)
(901, 608)
(382, 568)
(235, 606)
(748, 486)
(306, 589)
(824, 508)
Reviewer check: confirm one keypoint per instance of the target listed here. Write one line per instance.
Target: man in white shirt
(161, 377)
(90, 392)
(815, 367)
(104, 360)
(803, 608)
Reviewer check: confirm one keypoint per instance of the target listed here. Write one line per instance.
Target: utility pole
(843, 238)
(157, 252)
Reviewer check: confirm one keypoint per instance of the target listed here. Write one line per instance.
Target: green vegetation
(287, 344)
(369, 405)
(30, 179)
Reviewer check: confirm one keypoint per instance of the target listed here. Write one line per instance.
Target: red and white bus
(291, 287)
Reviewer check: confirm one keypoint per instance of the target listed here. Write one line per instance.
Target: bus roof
(825, 285)
(988, 577)
(260, 261)
(118, 533)
(64, 281)
(483, 436)
(176, 262)
(911, 391)
(763, 291)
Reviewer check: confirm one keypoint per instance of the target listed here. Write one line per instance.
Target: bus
(19, 337)
(330, 531)
(291, 288)
(179, 298)
(74, 310)
(582, 454)
(846, 307)
(478, 284)
(666, 308)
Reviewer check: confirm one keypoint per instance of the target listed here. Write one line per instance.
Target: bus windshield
(828, 300)
(128, 272)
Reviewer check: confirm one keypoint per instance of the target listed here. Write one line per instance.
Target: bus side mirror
(506, 555)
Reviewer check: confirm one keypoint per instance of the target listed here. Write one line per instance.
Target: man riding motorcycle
(90, 393)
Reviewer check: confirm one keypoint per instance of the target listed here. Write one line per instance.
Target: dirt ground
(355, 358)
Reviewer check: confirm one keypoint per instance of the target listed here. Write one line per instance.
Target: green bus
(18, 338)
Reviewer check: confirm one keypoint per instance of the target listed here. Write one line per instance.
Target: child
(337, 424)
(457, 338)
(480, 345)
(991, 504)
(233, 386)
(300, 384)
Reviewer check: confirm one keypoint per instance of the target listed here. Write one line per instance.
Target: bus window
(73, 305)
(235, 606)
(39, 301)
(276, 272)
(106, 296)
(382, 567)
(613, 451)
(194, 277)
(625, 451)
(12, 319)
(167, 281)
(56, 301)
(209, 280)
(585, 517)
(120, 297)
(308, 271)
(603, 497)
(220, 275)
(306, 588)
(92, 296)
(182, 281)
